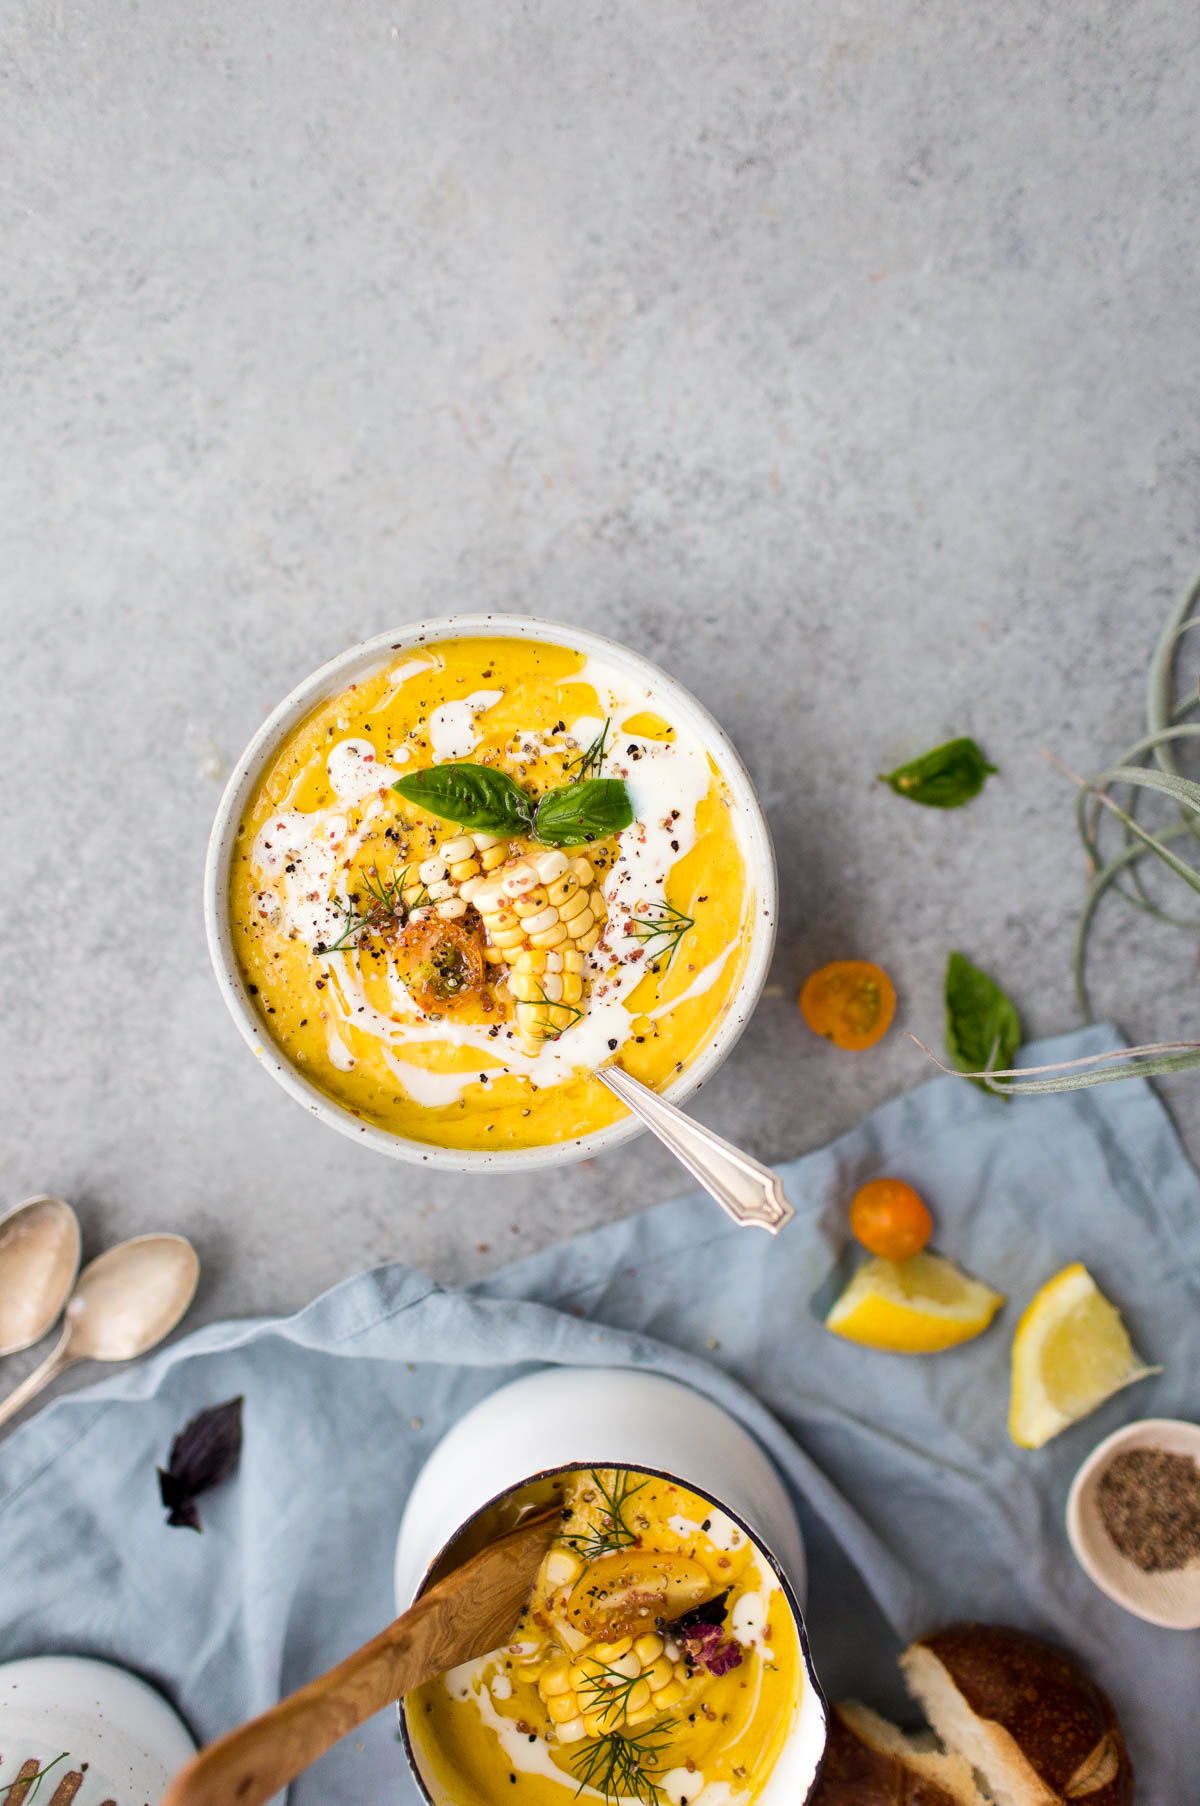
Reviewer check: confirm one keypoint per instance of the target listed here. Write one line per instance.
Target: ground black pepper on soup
(658, 1660)
(459, 983)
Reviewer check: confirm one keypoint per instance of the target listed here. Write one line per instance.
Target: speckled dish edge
(676, 703)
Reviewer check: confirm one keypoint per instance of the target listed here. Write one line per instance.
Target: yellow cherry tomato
(890, 1219)
(850, 1002)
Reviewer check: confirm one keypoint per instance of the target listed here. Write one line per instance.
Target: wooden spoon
(473, 1610)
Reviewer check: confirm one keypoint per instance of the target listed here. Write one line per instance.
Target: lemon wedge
(913, 1306)
(1070, 1352)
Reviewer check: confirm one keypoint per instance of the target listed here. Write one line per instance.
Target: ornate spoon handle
(750, 1192)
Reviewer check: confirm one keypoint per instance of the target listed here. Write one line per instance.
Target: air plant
(1150, 764)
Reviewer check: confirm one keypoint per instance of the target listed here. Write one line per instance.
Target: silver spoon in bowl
(745, 1189)
(127, 1300)
(39, 1258)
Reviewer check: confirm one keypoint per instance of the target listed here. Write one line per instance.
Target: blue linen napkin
(915, 1506)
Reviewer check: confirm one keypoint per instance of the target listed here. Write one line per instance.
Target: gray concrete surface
(841, 358)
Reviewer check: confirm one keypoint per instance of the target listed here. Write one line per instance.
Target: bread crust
(856, 1775)
(1059, 1720)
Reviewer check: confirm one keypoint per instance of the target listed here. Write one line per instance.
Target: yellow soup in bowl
(658, 1660)
(475, 876)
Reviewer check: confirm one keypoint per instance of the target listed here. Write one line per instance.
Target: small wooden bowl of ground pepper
(1133, 1518)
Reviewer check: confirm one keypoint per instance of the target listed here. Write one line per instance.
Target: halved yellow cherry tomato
(890, 1219)
(850, 1002)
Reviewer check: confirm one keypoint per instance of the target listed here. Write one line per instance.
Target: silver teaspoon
(39, 1258)
(127, 1300)
(748, 1191)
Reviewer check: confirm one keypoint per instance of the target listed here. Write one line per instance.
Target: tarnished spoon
(748, 1191)
(126, 1301)
(39, 1258)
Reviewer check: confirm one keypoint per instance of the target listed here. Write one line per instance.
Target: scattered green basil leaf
(983, 1029)
(473, 796)
(583, 812)
(943, 778)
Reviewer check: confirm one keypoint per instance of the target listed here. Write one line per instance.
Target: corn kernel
(638, 1696)
(553, 1680)
(648, 1648)
(410, 895)
(485, 842)
(572, 987)
(608, 1653)
(550, 937)
(469, 887)
(463, 869)
(552, 987)
(533, 901)
(533, 959)
(550, 865)
(580, 1674)
(526, 987)
(561, 889)
(592, 1725)
(561, 1567)
(541, 919)
(572, 1731)
(430, 870)
(596, 903)
(572, 961)
(519, 878)
(501, 918)
(451, 909)
(582, 869)
(508, 937)
(668, 1696)
(461, 847)
(494, 856)
(659, 1673)
(574, 905)
(671, 1650)
(636, 1718)
(561, 1707)
(681, 1671)
(441, 889)
(585, 942)
(579, 925)
(627, 1666)
(493, 956)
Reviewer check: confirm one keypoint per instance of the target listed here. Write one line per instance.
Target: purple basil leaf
(711, 1612)
(205, 1453)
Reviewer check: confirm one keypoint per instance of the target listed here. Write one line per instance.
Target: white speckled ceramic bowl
(91, 1727)
(566, 1418)
(1169, 1598)
(674, 702)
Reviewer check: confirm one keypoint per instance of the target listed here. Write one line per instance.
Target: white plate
(113, 1731)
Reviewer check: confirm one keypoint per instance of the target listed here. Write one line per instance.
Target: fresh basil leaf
(943, 778)
(472, 796)
(582, 812)
(983, 1029)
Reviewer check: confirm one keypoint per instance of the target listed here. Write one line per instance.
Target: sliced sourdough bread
(1025, 1715)
(868, 1762)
